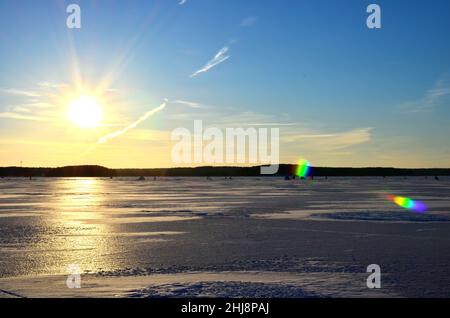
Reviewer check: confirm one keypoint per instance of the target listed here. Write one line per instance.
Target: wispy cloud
(19, 92)
(13, 115)
(430, 99)
(116, 134)
(187, 103)
(182, 2)
(31, 106)
(220, 57)
(248, 21)
(272, 124)
(39, 105)
(28, 104)
(52, 85)
(331, 142)
(434, 94)
(21, 109)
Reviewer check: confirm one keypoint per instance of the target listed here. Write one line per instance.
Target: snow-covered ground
(245, 237)
(194, 284)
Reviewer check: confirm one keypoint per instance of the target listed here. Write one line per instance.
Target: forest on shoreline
(284, 170)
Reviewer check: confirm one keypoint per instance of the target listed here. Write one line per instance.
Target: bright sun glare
(85, 112)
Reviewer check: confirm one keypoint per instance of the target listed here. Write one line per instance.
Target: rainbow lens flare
(408, 203)
(303, 168)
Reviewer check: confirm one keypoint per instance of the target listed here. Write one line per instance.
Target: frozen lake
(240, 237)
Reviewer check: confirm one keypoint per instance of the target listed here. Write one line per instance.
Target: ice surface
(324, 230)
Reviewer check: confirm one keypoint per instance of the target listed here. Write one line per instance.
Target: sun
(85, 112)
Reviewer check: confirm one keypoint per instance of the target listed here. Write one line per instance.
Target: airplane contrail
(116, 134)
(220, 57)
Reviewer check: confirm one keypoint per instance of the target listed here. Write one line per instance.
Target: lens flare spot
(303, 168)
(408, 203)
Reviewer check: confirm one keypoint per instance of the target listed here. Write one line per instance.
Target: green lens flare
(303, 168)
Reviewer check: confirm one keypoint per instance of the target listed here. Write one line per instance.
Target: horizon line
(207, 166)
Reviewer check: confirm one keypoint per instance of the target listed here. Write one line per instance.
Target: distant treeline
(71, 171)
(284, 170)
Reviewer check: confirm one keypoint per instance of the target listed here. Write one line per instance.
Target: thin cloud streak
(248, 21)
(273, 124)
(12, 115)
(187, 103)
(52, 85)
(20, 109)
(19, 92)
(430, 99)
(144, 117)
(220, 57)
(331, 142)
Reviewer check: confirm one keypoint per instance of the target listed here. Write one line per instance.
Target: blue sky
(352, 96)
